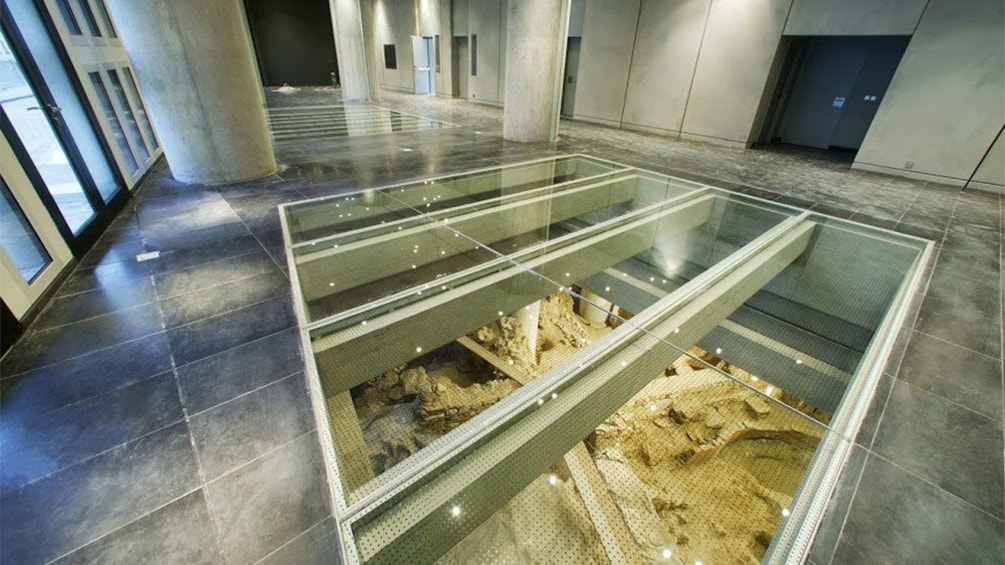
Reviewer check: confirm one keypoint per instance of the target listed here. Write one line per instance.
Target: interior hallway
(159, 408)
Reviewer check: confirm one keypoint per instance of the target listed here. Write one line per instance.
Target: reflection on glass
(68, 17)
(103, 11)
(127, 112)
(141, 110)
(344, 121)
(18, 238)
(92, 24)
(27, 115)
(113, 120)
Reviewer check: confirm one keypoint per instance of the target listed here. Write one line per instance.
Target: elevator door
(571, 75)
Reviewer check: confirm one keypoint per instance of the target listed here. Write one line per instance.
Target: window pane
(113, 121)
(103, 11)
(141, 110)
(28, 117)
(19, 239)
(127, 113)
(92, 24)
(68, 18)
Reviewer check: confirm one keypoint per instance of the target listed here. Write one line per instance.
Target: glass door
(32, 250)
(51, 132)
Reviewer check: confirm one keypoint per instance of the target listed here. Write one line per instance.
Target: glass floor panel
(482, 333)
(312, 122)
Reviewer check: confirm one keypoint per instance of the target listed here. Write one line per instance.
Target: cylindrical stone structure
(528, 317)
(594, 307)
(195, 66)
(350, 49)
(535, 41)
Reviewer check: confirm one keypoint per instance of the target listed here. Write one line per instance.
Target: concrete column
(594, 308)
(196, 68)
(350, 48)
(536, 38)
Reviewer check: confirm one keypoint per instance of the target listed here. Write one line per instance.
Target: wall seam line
(694, 71)
(631, 59)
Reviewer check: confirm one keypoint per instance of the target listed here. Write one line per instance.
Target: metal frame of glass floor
(809, 303)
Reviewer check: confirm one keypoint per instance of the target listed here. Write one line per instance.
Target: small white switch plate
(147, 256)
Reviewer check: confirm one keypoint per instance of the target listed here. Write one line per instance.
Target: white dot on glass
(418, 350)
(718, 350)
(364, 322)
(667, 554)
(554, 395)
(455, 511)
(552, 479)
(652, 407)
(607, 289)
(799, 361)
(753, 378)
(676, 330)
(769, 390)
(568, 275)
(413, 266)
(331, 284)
(540, 401)
(652, 279)
(785, 512)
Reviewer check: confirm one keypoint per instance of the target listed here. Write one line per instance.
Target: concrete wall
(445, 75)
(604, 60)
(738, 53)
(854, 17)
(394, 23)
(487, 20)
(991, 174)
(945, 104)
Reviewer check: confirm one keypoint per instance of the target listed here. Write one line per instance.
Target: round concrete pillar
(195, 66)
(349, 20)
(535, 43)
(528, 317)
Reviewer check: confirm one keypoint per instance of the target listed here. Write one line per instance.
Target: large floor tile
(217, 272)
(178, 533)
(221, 377)
(194, 306)
(102, 300)
(43, 347)
(114, 274)
(960, 375)
(54, 386)
(950, 446)
(231, 434)
(69, 509)
(188, 257)
(962, 320)
(897, 518)
(316, 546)
(200, 339)
(269, 502)
(35, 447)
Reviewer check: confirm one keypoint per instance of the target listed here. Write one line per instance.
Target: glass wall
(18, 237)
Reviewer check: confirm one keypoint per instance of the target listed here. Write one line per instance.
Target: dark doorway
(294, 42)
(831, 88)
(462, 64)
(571, 75)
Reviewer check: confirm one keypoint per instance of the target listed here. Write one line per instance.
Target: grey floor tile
(960, 375)
(216, 272)
(193, 306)
(103, 300)
(69, 509)
(178, 533)
(36, 447)
(962, 320)
(200, 339)
(207, 253)
(231, 434)
(867, 430)
(897, 518)
(40, 348)
(167, 237)
(950, 446)
(115, 253)
(74, 380)
(269, 502)
(104, 275)
(316, 546)
(221, 377)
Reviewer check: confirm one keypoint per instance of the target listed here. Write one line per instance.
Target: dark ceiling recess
(293, 40)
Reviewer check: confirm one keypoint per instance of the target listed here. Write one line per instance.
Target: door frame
(103, 211)
(20, 295)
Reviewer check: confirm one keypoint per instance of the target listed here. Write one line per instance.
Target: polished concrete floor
(156, 411)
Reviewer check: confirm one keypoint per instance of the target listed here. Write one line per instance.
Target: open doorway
(830, 89)
(422, 64)
(571, 74)
(461, 61)
(294, 43)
